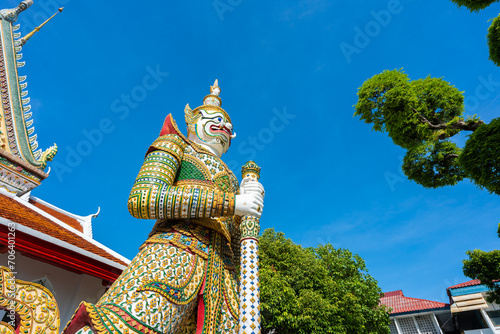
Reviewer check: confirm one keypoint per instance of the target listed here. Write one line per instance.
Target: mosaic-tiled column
(249, 269)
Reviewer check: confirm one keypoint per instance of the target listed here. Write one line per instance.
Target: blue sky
(103, 75)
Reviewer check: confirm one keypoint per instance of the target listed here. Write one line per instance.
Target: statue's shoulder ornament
(171, 140)
(170, 143)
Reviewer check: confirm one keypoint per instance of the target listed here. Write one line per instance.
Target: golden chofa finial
(37, 29)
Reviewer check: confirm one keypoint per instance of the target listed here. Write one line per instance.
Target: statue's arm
(153, 195)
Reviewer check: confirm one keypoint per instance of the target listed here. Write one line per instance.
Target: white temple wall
(70, 288)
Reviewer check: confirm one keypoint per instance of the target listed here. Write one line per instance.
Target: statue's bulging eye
(219, 119)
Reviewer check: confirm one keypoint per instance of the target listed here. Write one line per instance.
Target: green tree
(316, 290)
(485, 267)
(421, 116)
(493, 36)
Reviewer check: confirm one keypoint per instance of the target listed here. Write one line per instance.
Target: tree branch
(460, 125)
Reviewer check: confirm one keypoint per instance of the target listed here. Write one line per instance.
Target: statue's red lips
(216, 128)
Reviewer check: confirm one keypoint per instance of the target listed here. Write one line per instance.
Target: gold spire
(37, 29)
(215, 89)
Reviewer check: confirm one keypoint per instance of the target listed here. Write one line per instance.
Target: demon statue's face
(209, 125)
(214, 129)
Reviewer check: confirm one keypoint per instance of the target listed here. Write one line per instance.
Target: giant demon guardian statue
(183, 279)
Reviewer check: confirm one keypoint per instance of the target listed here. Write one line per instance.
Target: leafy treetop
(474, 5)
(485, 267)
(421, 116)
(316, 290)
(493, 36)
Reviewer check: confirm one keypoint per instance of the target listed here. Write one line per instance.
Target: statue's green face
(214, 129)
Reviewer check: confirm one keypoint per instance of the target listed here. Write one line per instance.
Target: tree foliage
(433, 164)
(421, 116)
(493, 39)
(396, 105)
(485, 267)
(481, 156)
(493, 36)
(316, 290)
(474, 5)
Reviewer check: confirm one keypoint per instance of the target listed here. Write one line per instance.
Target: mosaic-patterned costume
(183, 279)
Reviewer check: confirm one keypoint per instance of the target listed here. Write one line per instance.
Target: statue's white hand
(249, 204)
(251, 187)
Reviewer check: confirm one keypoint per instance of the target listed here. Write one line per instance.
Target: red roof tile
(16, 212)
(401, 304)
(465, 284)
(61, 216)
(393, 293)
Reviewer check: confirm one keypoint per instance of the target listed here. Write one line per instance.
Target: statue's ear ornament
(188, 113)
(190, 117)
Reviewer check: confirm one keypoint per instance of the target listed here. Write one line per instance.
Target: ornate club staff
(249, 268)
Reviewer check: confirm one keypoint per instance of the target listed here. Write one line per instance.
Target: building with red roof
(473, 314)
(468, 312)
(413, 315)
(401, 304)
(39, 242)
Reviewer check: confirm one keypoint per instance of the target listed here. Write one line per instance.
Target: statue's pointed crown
(213, 98)
(211, 101)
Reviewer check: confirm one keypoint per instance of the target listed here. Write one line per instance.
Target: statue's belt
(192, 237)
(218, 225)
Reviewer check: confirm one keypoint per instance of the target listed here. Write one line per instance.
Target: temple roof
(49, 235)
(42, 231)
(21, 159)
(401, 304)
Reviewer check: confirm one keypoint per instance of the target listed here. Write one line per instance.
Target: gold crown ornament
(210, 102)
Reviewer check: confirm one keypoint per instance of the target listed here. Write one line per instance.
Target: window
(426, 324)
(392, 327)
(495, 317)
(407, 325)
(470, 320)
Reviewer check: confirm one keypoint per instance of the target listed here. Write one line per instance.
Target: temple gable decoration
(22, 162)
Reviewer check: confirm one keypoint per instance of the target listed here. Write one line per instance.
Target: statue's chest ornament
(202, 166)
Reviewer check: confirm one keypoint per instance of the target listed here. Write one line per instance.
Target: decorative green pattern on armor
(222, 181)
(189, 171)
(172, 144)
(179, 294)
(155, 196)
(162, 263)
